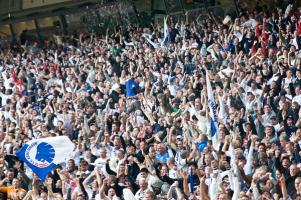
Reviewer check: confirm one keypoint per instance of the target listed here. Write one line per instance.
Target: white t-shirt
(4, 98)
(297, 99)
(101, 164)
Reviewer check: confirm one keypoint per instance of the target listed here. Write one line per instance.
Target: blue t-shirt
(130, 86)
(162, 158)
(202, 145)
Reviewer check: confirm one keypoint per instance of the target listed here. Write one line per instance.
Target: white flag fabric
(164, 42)
(250, 23)
(213, 116)
(288, 10)
(42, 155)
(166, 34)
(128, 194)
(222, 114)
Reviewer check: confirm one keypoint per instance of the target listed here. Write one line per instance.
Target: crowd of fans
(139, 115)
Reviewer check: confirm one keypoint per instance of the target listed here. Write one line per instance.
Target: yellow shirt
(13, 193)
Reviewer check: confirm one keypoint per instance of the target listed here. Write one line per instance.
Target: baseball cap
(144, 170)
(179, 137)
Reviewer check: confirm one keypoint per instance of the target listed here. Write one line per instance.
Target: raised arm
(63, 180)
(283, 187)
(185, 183)
(48, 184)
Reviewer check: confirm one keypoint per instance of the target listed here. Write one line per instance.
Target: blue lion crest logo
(45, 153)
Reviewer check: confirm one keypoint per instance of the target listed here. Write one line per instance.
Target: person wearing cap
(289, 126)
(275, 123)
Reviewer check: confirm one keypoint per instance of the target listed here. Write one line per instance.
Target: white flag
(166, 34)
(42, 155)
(213, 116)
